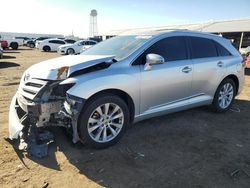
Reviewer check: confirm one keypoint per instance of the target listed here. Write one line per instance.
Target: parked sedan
(76, 47)
(126, 79)
(39, 40)
(50, 44)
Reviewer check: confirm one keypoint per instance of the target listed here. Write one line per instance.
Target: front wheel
(103, 121)
(224, 95)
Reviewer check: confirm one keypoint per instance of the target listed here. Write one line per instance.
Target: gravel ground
(194, 148)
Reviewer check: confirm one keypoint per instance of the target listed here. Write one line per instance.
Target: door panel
(164, 84)
(207, 74)
(209, 67)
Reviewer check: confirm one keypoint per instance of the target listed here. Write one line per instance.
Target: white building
(236, 30)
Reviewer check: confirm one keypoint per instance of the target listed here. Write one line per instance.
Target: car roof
(177, 31)
(53, 39)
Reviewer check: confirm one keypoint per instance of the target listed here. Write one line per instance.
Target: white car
(49, 45)
(245, 50)
(12, 42)
(76, 47)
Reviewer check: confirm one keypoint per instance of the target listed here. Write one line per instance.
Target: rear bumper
(15, 126)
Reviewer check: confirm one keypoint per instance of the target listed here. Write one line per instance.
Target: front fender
(130, 84)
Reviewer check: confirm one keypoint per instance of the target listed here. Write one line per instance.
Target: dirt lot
(195, 148)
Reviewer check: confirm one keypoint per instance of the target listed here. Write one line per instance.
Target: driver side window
(171, 49)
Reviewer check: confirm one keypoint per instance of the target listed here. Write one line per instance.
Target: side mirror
(153, 59)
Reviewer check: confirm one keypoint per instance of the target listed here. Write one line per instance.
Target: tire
(32, 45)
(46, 48)
(91, 122)
(14, 45)
(228, 86)
(70, 51)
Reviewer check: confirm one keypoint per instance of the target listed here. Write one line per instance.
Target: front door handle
(186, 69)
(220, 64)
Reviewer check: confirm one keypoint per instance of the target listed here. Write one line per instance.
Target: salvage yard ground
(194, 148)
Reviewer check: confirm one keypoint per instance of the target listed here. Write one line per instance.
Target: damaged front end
(42, 100)
(38, 104)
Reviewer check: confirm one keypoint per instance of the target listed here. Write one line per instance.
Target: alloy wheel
(226, 95)
(105, 122)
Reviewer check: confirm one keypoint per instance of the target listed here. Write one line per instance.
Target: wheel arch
(235, 79)
(46, 46)
(122, 94)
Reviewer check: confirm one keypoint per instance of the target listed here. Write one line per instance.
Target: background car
(4, 44)
(76, 47)
(39, 40)
(31, 43)
(13, 42)
(245, 50)
(50, 44)
(25, 39)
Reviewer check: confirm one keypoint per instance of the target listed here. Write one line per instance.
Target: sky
(65, 16)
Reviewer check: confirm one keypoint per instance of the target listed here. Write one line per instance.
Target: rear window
(221, 50)
(202, 47)
(57, 42)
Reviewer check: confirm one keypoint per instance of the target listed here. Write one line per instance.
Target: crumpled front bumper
(15, 126)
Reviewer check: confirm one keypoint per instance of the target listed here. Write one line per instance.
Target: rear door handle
(186, 69)
(220, 64)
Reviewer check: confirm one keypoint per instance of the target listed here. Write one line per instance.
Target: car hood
(62, 67)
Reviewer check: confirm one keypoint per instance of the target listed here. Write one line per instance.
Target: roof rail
(174, 29)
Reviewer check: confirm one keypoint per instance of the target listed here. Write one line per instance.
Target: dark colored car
(31, 43)
(4, 44)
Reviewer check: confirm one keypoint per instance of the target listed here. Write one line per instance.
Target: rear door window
(202, 47)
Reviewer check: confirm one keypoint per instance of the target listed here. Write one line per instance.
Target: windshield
(120, 46)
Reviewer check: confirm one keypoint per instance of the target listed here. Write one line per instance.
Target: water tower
(93, 23)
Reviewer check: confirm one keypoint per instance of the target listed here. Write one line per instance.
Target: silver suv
(126, 79)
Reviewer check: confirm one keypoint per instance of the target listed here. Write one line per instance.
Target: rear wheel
(103, 121)
(14, 45)
(224, 95)
(46, 49)
(70, 51)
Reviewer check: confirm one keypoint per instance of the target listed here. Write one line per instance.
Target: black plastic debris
(36, 141)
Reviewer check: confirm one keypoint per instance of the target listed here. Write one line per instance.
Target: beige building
(236, 30)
